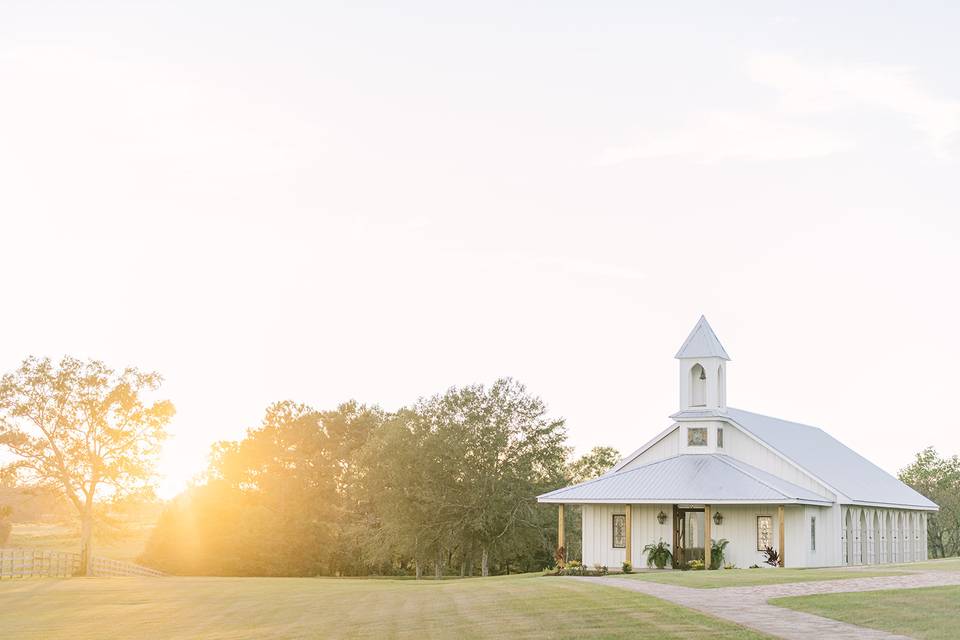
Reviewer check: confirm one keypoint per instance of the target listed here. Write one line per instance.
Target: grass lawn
(528, 606)
(929, 613)
(751, 577)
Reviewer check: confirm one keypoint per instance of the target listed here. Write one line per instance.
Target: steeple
(703, 369)
(702, 343)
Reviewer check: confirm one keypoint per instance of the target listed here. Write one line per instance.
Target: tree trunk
(86, 536)
(418, 568)
(463, 568)
(485, 563)
(438, 565)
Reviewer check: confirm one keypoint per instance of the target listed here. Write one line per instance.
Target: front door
(687, 536)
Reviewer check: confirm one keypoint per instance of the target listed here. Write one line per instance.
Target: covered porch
(690, 500)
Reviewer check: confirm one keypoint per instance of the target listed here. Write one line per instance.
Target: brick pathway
(748, 606)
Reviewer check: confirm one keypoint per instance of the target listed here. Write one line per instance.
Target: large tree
(458, 475)
(938, 479)
(84, 428)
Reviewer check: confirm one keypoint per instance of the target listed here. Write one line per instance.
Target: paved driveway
(748, 606)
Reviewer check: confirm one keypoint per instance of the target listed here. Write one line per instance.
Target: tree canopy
(84, 428)
(938, 478)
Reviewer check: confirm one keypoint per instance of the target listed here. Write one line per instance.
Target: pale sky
(320, 202)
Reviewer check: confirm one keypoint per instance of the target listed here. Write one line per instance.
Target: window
(813, 533)
(719, 437)
(619, 531)
(696, 436)
(764, 532)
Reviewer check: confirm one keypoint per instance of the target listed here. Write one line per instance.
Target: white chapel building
(722, 473)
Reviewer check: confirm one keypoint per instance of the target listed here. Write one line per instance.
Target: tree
(458, 476)
(85, 429)
(274, 503)
(593, 464)
(939, 480)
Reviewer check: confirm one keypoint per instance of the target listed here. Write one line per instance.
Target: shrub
(695, 565)
(627, 567)
(658, 554)
(773, 557)
(601, 569)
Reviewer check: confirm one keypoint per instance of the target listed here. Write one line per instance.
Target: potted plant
(658, 554)
(717, 549)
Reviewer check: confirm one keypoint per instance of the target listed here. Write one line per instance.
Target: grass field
(57, 537)
(526, 606)
(930, 613)
(752, 577)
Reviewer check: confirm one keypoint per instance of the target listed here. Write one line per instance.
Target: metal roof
(702, 343)
(690, 478)
(823, 456)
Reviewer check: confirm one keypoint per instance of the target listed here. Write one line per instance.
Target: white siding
(667, 447)
(739, 445)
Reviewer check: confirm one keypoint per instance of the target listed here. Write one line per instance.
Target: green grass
(225, 608)
(58, 537)
(929, 613)
(752, 577)
(942, 564)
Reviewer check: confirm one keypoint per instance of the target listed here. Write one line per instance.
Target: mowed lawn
(753, 577)
(929, 613)
(529, 606)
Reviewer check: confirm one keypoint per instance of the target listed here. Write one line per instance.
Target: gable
(830, 461)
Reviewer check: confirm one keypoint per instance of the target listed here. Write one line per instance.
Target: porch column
(560, 542)
(629, 546)
(707, 547)
(782, 550)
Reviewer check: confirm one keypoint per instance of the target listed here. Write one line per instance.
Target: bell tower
(703, 370)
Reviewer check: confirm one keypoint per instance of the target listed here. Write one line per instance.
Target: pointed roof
(702, 343)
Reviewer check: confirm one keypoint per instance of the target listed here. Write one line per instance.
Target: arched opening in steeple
(721, 387)
(698, 386)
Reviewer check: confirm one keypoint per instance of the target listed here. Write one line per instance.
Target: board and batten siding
(739, 445)
(666, 447)
(598, 533)
(739, 527)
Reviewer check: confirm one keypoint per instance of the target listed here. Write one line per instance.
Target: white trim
(888, 505)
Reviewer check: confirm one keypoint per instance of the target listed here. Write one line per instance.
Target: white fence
(38, 563)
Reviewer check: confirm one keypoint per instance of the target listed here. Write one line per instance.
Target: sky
(324, 201)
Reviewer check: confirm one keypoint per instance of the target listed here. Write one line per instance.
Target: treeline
(447, 486)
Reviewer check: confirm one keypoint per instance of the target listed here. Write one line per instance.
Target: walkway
(748, 606)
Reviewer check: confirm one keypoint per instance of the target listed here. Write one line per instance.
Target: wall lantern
(661, 517)
(718, 518)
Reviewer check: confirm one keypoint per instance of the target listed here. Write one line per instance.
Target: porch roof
(688, 479)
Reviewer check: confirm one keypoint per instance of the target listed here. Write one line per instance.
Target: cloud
(797, 124)
(811, 90)
(716, 136)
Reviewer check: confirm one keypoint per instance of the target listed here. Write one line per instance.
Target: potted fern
(658, 554)
(717, 550)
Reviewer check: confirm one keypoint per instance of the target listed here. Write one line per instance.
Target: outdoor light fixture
(718, 518)
(661, 517)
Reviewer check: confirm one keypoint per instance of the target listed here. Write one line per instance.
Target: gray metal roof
(823, 456)
(690, 478)
(702, 343)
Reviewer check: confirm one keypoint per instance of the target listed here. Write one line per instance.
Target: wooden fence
(38, 563)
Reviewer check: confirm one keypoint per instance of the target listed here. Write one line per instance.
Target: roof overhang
(885, 505)
(544, 500)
